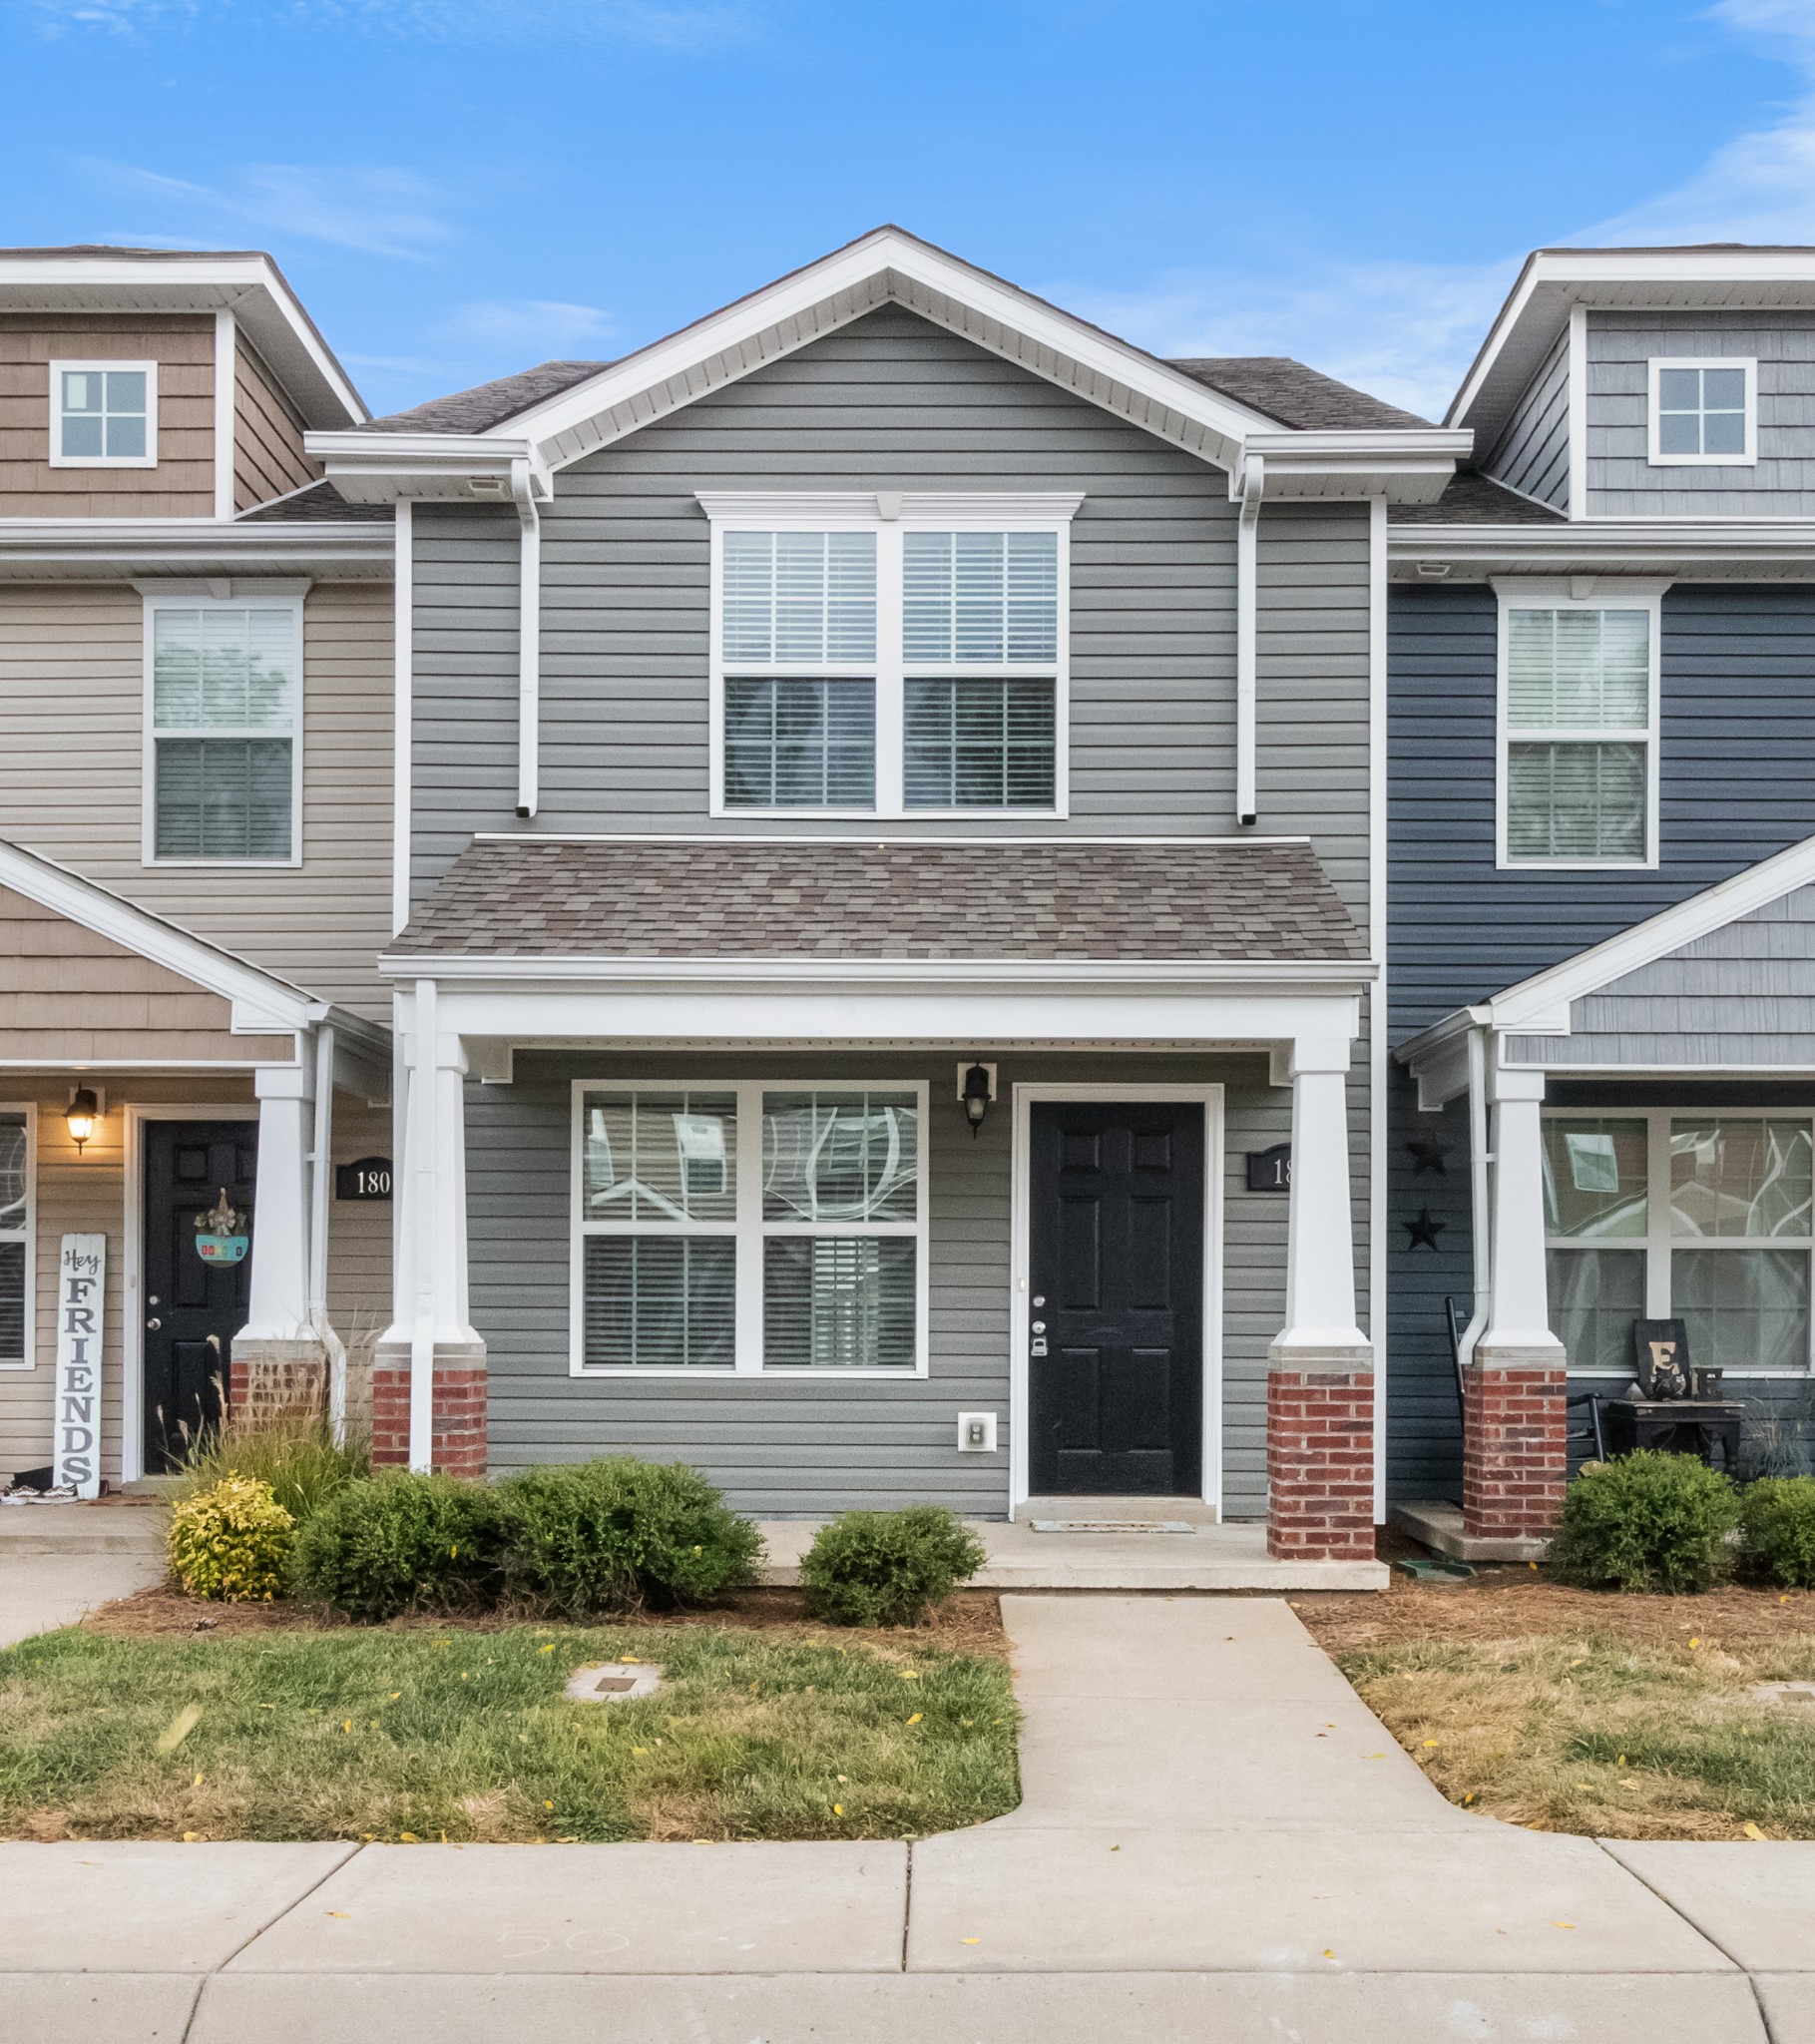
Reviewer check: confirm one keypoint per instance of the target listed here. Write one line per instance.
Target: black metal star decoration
(1428, 1154)
(1422, 1233)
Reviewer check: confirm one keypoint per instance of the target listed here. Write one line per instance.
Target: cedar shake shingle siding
(687, 898)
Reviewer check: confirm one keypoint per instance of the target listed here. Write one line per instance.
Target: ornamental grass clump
(888, 1568)
(232, 1542)
(618, 1534)
(298, 1453)
(399, 1542)
(1777, 1531)
(1646, 1522)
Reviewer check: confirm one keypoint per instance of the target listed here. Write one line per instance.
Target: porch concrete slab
(40, 1592)
(82, 1528)
(1058, 2008)
(140, 1906)
(1478, 1897)
(1231, 1557)
(1756, 1899)
(1437, 1523)
(631, 1908)
(79, 2008)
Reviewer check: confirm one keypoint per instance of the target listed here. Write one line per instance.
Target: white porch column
(1320, 1370)
(1519, 1314)
(279, 1305)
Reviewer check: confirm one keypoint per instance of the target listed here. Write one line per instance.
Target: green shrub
(232, 1542)
(1647, 1522)
(295, 1452)
(1777, 1531)
(398, 1541)
(886, 1568)
(614, 1534)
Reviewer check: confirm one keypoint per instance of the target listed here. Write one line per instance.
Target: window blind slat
(660, 1301)
(979, 743)
(1587, 668)
(1576, 800)
(805, 598)
(979, 597)
(223, 799)
(799, 744)
(839, 1302)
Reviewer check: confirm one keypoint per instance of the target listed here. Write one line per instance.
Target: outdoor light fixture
(978, 1085)
(82, 1113)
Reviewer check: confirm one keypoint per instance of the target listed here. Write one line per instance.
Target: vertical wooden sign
(80, 1290)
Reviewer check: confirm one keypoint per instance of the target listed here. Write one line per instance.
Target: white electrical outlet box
(976, 1433)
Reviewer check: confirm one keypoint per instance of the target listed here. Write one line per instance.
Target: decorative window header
(990, 510)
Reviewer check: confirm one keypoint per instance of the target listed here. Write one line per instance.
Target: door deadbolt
(154, 1325)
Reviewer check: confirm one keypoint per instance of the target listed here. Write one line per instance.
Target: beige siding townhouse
(195, 773)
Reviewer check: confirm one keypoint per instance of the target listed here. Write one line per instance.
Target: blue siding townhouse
(1602, 876)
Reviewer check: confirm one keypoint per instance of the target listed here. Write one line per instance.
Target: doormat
(1112, 1526)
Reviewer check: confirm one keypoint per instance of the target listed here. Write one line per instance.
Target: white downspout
(1247, 488)
(1481, 1220)
(423, 1172)
(529, 642)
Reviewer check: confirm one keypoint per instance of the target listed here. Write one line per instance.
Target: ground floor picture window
(15, 1232)
(749, 1229)
(1678, 1213)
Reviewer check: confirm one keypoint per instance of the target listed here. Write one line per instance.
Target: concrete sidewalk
(58, 1561)
(1218, 1841)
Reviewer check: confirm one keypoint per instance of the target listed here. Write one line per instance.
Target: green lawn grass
(1592, 1732)
(408, 1733)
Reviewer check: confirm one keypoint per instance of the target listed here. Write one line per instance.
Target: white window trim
(185, 597)
(888, 514)
(750, 1230)
(58, 459)
(1657, 1241)
(1602, 593)
(28, 1235)
(1654, 419)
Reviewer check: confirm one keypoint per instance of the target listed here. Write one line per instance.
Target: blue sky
(459, 187)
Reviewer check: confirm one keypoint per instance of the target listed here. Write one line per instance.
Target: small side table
(1708, 1427)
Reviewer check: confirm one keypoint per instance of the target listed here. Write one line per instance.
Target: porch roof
(972, 899)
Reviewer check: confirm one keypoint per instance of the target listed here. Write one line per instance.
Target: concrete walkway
(58, 1561)
(1218, 1841)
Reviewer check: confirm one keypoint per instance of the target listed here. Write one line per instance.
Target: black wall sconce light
(82, 1112)
(976, 1090)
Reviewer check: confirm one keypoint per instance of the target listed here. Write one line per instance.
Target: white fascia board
(262, 1004)
(378, 468)
(32, 548)
(1410, 466)
(877, 973)
(976, 1016)
(1672, 548)
(1539, 1006)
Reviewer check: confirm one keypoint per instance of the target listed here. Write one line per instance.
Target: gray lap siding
(788, 1446)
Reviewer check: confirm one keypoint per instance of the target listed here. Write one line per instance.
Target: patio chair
(1584, 1429)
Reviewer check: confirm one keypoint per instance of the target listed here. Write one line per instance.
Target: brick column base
(1320, 1454)
(1513, 1455)
(277, 1380)
(458, 1437)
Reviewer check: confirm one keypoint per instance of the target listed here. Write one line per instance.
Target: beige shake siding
(268, 457)
(182, 485)
(72, 705)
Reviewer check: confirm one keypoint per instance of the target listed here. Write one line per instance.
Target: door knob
(154, 1325)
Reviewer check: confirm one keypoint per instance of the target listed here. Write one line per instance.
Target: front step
(82, 1528)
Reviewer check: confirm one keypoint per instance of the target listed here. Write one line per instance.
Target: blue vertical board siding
(1738, 768)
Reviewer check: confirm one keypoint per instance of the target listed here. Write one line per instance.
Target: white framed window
(892, 654)
(749, 1230)
(18, 1181)
(223, 729)
(1680, 1212)
(104, 414)
(1703, 411)
(1577, 763)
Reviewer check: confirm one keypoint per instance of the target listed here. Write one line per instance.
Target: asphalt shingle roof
(1077, 899)
(315, 501)
(1293, 393)
(1472, 499)
(487, 405)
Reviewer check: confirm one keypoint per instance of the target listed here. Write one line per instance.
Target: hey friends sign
(81, 1287)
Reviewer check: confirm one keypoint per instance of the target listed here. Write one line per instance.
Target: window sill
(222, 865)
(870, 1373)
(1577, 865)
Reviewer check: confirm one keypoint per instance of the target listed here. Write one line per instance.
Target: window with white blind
(889, 655)
(224, 731)
(104, 415)
(1671, 1211)
(1577, 764)
(749, 1230)
(15, 1237)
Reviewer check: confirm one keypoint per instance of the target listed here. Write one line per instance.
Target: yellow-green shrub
(232, 1542)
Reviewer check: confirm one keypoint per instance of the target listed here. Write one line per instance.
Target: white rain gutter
(529, 641)
(1248, 487)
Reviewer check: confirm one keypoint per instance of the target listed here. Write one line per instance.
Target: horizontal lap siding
(1532, 454)
(793, 1446)
(1621, 481)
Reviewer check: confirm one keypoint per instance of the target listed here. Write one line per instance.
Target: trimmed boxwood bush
(615, 1534)
(399, 1542)
(1646, 1522)
(888, 1568)
(231, 1541)
(1777, 1531)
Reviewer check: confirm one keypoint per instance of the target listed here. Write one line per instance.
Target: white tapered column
(279, 1359)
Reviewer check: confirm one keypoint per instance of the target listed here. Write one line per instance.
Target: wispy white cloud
(667, 24)
(376, 209)
(527, 324)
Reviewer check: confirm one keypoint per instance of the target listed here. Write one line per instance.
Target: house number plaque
(1271, 1170)
(367, 1178)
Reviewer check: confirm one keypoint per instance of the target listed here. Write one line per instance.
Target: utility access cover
(614, 1682)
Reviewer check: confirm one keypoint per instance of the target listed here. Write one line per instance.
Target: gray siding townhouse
(196, 758)
(1601, 870)
(895, 826)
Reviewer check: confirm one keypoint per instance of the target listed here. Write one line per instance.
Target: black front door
(1116, 1295)
(191, 1308)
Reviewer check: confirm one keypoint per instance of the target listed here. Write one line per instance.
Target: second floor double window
(890, 667)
